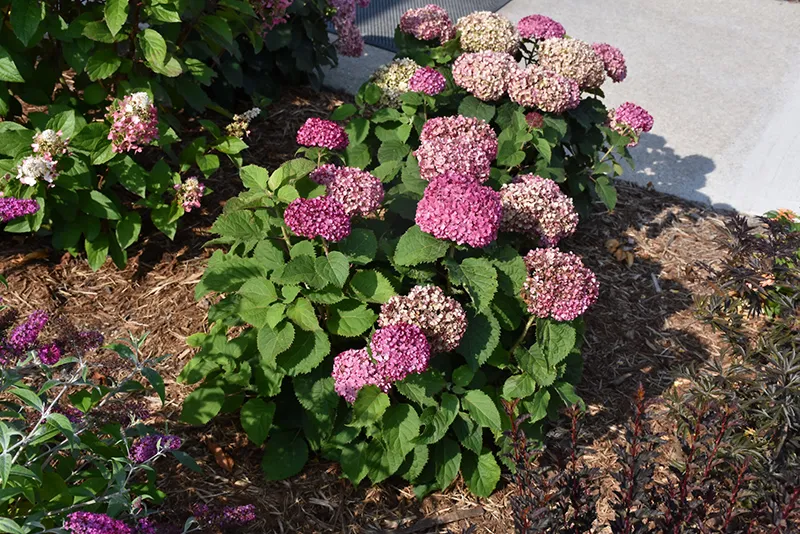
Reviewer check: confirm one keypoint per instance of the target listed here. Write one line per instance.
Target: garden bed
(641, 329)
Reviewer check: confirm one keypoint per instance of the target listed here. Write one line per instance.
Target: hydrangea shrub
(75, 454)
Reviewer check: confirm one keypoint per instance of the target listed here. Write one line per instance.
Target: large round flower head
(537, 207)
(484, 31)
(359, 192)
(440, 317)
(134, 122)
(50, 142)
(631, 120)
(354, 369)
(439, 156)
(427, 80)
(427, 23)
(393, 80)
(400, 350)
(613, 61)
(539, 27)
(473, 131)
(538, 87)
(483, 74)
(322, 133)
(458, 208)
(575, 59)
(321, 216)
(91, 523)
(324, 174)
(35, 168)
(558, 285)
(11, 208)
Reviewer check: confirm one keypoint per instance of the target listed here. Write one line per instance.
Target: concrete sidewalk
(721, 78)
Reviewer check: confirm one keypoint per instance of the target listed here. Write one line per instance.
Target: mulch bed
(642, 329)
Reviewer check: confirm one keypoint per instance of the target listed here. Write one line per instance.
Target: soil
(642, 329)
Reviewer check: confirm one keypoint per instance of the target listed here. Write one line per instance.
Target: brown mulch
(641, 330)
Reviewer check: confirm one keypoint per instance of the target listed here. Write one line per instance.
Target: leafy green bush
(71, 444)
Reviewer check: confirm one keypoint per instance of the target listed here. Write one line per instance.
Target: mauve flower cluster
(50, 142)
(427, 23)
(49, 354)
(473, 131)
(538, 87)
(399, 350)
(35, 168)
(539, 27)
(558, 285)
(534, 119)
(24, 336)
(316, 132)
(189, 193)
(483, 74)
(145, 447)
(134, 122)
(537, 207)
(427, 80)
(613, 61)
(228, 516)
(441, 318)
(352, 370)
(439, 156)
(272, 12)
(11, 208)
(321, 216)
(350, 42)
(484, 31)
(240, 124)
(574, 59)
(458, 208)
(91, 523)
(631, 120)
(393, 80)
(359, 192)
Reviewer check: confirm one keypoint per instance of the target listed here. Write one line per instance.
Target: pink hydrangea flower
(321, 216)
(134, 123)
(190, 193)
(324, 174)
(631, 120)
(50, 142)
(484, 31)
(459, 209)
(11, 208)
(537, 207)
(483, 74)
(475, 132)
(539, 27)
(428, 23)
(354, 369)
(427, 80)
(558, 285)
(534, 119)
(399, 350)
(613, 61)
(440, 317)
(439, 156)
(537, 87)
(350, 42)
(322, 133)
(359, 192)
(574, 59)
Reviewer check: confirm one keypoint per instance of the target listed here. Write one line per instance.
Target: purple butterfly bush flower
(49, 354)
(146, 447)
(12, 208)
(24, 336)
(92, 523)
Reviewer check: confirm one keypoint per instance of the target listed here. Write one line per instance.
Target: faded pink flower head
(574, 59)
(322, 133)
(354, 369)
(534, 119)
(483, 74)
(427, 23)
(537, 207)
(359, 192)
(427, 80)
(321, 216)
(134, 122)
(537, 87)
(558, 285)
(440, 317)
(484, 31)
(459, 209)
(37, 167)
(350, 42)
(475, 132)
(539, 27)
(399, 350)
(630, 120)
(190, 193)
(440, 156)
(613, 61)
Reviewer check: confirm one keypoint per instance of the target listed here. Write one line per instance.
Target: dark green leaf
(256, 417)
(360, 246)
(437, 419)
(8, 68)
(156, 382)
(26, 15)
(447, 461)
(472, 107)
(306, 353)
(369, 406)
(400, 425)
(481, 472)
(103, 64)
(481, 281)
(518, 387)
(481, 338)
(333, 268)
(285, 455)
(202, 405)
(372, 286)
(482, 409)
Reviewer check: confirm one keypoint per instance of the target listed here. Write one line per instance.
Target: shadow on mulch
(641, 329)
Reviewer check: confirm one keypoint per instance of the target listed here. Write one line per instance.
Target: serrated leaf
(115, 14)
(472, 107)
(511, 270)
(419, 459)
(481, 472)
(254, 177)
(154, 47)
(437, 420)
(556, 339)
(273, 341)
(360, 246)
(369, 406)
(333, 268)
(354, 462)
(307, 352)
(534, 363)
(26, 15)
(415, 247)
(482, 409)
(284, 456)
(421, 388)
(269, 255)
(606, 191)
(481, 338)
(103, 64)
(447, 462)
(372, 286)
(350, 318)
(469, 433)
(256, 418)
(301, 312)
(400, 425)
(518, 387)
(481, 281)
(537, 406)
(8, 68)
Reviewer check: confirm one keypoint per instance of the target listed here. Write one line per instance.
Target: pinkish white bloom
(439, 156)
(558, 285)
(473, 131)
(574, 59)
(359, 192)
(539, 27)
(483, 74)
(613, 61)
(50, 142)
(134, 122)
(428, 23)
(34, 168)
(190, 193)
(537, 207)
(484, 31)
(538, 87)
(631, 120)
